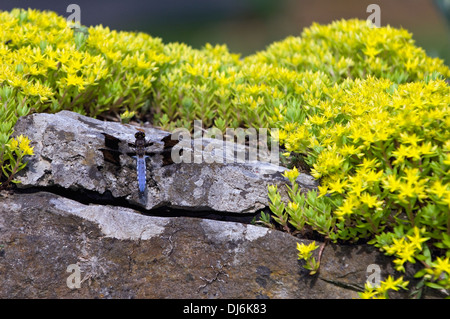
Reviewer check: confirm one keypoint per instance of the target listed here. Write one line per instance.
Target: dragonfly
(140, 144)
(113, 151)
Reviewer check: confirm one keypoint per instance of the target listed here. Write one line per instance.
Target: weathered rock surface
(123, 254)
(67, 155)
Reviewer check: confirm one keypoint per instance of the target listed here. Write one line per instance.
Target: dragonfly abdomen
(141, 168)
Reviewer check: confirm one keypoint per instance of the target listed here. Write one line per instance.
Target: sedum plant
(12, 150)
(382, 291)
(353, 49)
(305, 253)
(12, 156)
(57, 66)
(102, 72)
(382, 153)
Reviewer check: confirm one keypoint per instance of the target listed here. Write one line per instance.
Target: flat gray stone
(68, 156)
(122, 254)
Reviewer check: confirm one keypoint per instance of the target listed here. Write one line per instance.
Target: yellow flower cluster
(381, 150)
(21, 145)
(382, 291)
(406, 248)
(55, 65)
(291, 175)
(374, 137)
(352, 49)
(12, 158)
(440, 269)
(305, 253)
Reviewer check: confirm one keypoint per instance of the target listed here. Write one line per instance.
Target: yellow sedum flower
(21, 145)
(406, 248)
(74, 80)
(305, 251)
(24, 145)
(291, 175)
(391, 284)
(440, 266)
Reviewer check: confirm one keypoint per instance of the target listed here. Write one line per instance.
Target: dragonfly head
(139, 135)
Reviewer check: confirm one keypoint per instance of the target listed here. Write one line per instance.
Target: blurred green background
(247, 26)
